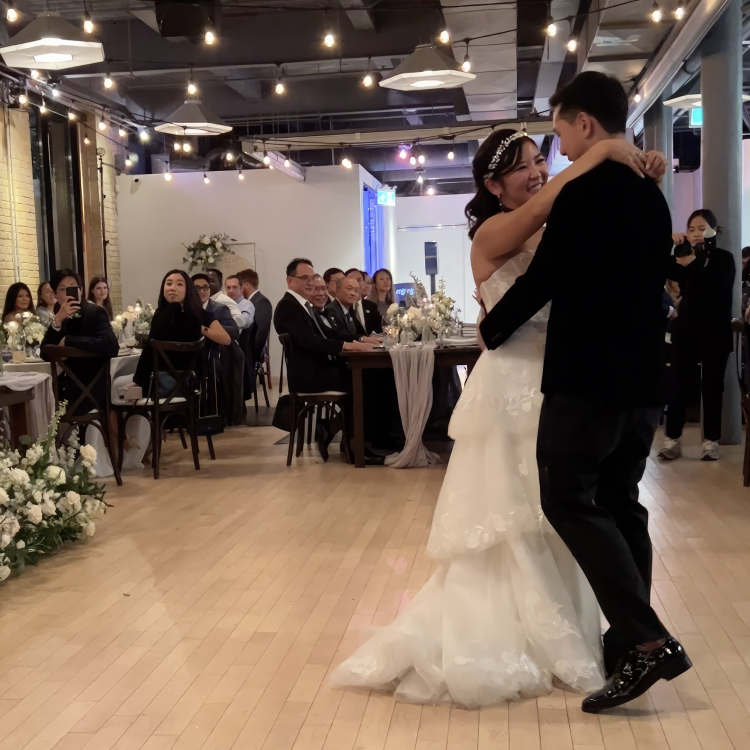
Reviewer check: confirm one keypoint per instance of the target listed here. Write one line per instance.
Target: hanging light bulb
(192, 89)
(241, 176)
(280, 87)
(679, 13)
(346, 162)
(108, 82)
(403, 153)
(367, 81)
(168, 175)
(186, 147)
(143, 135)
(205, 178)
(43, 107)
(572, 44)
(551, 29)
(412, 160)
(420, 179)
(430, 190)
(466, 65)
(71, 115)
(266, 158)
(287, 161)
(421, 159)
(637, 98)
(56, 93)
(102, 125)
(451, 155)
(230, 156)
(122, 132)
(444, 37)
(35, 74)
(86, 141)
(11, 14)
(329, 40)
(23, 99)
(177, 146)
(128, 163)
(655, 12)
(210, 36)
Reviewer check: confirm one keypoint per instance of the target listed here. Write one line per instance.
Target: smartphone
(72, 292)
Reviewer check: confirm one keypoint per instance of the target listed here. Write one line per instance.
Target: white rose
(92, 473)
(74, 501)
(55, 474)
(89, 529)
(20, 544)
(4, 572)
(88, 454)
(34, 513)
(392, 309)
(48, 508)
(5, 540)
(3, 496)
(19, 476)
(9, 525)
(91, 506)
(205, 239)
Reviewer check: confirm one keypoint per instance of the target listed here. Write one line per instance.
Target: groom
(602, 263)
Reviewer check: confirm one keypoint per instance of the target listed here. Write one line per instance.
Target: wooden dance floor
(210, 607)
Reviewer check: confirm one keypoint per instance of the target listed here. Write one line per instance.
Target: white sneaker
(710, 450)
(670, 450)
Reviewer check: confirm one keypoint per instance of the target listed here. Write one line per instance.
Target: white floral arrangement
(440, 311)
(138, 316)
(27, 329)
(47, 497)
(206, 251)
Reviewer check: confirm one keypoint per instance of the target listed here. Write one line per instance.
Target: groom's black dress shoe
(636, 672)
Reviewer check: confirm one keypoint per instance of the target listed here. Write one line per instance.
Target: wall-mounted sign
(404, 292)
(696, 117)
(387, 197)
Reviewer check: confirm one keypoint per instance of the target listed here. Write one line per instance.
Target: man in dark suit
(341, 314)
(314, 366)
(602, 374)
(81, 325)
(261, 327)
(331, 278)
(365, 310)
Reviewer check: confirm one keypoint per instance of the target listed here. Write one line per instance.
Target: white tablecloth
(41, 408)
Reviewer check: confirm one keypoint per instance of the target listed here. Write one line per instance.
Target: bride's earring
(500, 201)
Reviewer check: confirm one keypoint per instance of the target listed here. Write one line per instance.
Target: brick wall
(111, 227)
(19, 257)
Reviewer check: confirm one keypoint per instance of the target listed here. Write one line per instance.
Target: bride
(508, 609)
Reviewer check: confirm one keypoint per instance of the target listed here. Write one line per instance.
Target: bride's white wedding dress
(508, 609)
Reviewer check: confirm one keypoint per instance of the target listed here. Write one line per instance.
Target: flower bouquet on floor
(205, 251)
(47, 497)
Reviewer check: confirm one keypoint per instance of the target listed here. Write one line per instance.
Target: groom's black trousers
(591, 457)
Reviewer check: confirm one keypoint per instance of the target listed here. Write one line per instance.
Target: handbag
(210, 424)
(282, 415)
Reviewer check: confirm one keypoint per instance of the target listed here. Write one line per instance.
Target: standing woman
(382, 294)
(45, 303)
(701, 334)
(17, 301)
(99, 295)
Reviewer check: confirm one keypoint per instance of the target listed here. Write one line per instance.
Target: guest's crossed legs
(591, 457)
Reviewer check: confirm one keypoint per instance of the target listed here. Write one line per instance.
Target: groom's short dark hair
(596, 94)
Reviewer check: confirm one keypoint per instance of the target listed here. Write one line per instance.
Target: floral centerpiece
(206, 251)
(26, 332)
(134, 319)
(47, 497)
(429, 316)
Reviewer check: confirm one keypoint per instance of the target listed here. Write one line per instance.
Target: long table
(449, 356)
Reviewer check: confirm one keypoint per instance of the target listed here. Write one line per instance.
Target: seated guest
(261, 327)
(81, 325)
(45, 303)
(367, 285)
(382, 294)
(17, 301)
(216, 281)
(227, 329)
(319, 298)
(233, 286)
(363, 309)
(314, 366)
(331, 277)
(99, 295)
(345, 326)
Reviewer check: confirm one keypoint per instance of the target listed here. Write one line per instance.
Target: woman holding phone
(81, 325)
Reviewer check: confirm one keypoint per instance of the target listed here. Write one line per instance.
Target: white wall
(687, 197)
(320, 219)
(436, 218)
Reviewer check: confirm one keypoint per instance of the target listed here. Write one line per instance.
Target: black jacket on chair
(335, 314)
(314, 366)
(261, 327)
(373, 318)
(602, 262)
(90, 331)
(704, 318)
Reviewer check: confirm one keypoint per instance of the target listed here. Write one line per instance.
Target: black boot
(636, 672)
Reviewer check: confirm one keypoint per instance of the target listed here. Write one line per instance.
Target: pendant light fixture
(192, 118)
(427, 68)
(51, 43)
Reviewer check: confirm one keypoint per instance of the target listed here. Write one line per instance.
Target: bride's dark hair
(484, 204)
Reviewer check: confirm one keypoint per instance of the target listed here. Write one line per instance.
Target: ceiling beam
(357, 12)
(591, 27)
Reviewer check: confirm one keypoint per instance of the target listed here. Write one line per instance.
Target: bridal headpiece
(501, 148)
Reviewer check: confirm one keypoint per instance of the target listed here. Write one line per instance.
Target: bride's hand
(656, 164)
(619, 150)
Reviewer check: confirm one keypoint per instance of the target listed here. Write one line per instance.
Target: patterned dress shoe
(636, 672)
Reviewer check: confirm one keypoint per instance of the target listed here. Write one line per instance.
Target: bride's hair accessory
(500, 149)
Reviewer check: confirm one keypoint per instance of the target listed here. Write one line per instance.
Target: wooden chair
(181, 401)
(304, 406)
(741, 349)
(96, 414)
(254, 370)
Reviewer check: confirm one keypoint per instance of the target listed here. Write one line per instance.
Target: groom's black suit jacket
(602, 262)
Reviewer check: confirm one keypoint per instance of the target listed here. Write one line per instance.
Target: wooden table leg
(359, 420)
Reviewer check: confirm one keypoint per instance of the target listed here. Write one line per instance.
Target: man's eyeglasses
(202, 287)
(303, 278)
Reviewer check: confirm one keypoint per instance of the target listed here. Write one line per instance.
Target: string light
(230, 156)
(637, 98)
(655, 12)
(210, 36)
(86, 141)
(23, 99)
(11, 14)
(102, 125)
(186, 147)
(241, 176)
(168, 175)
(403, 153)
(280, 87)
(205, 178)
(367, 81)
(430, 190)
(177, 146)
(192, 89)
(420, 179)
(679, 13)
(128, 162)
(43, 107)
(572, 44)
(421, 159)
(466, 65)
(412, 160)
(445, 37)
(35, 74)
(346, 162)
(551, 29)
(266, 157)
(71, 115)
(108, 82)
(88, 24)
(143, 135)
(121, 132)
(329, 40)
(451, 155)
(288, 161)
(56, 93)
